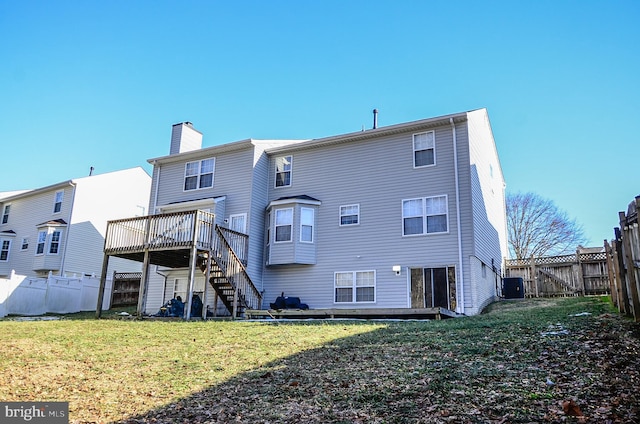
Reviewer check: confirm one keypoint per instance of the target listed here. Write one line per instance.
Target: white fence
(20, 295)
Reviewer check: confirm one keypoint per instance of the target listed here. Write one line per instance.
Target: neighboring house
(407, 216)
(60, 228)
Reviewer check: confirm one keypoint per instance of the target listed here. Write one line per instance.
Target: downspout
(68, 231)
(460, 305)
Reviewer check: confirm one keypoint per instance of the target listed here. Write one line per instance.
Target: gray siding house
(408, 216)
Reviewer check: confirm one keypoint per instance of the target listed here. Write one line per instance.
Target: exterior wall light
(396, 269)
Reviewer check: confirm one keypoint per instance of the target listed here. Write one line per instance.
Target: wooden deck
(372, 313)
(186, 240)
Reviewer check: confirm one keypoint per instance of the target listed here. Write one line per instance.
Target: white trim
(23, 243)
(55, 202)
(460, 280)
(313, 225)
(50, 238)
(290, 171)
(425, 215)
(44, 242)
(2, 240)
(340, 224)
(5, 213)
(413, 147)
(275, 225)
(199, 175)
(244, 222)
(190, 205)
(293, 200)
(354, 287)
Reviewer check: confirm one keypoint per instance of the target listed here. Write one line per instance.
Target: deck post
(103, 280)
(192, 276)
(144, 282)
(193, 256)
(144, 279)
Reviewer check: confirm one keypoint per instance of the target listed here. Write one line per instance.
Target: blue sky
(99, 83)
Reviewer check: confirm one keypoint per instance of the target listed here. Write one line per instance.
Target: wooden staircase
(228, 274)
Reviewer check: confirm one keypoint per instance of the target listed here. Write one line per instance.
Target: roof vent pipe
(375, 118)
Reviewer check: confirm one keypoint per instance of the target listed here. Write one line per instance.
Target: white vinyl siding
(355, 287)
(57, 202)
(306, 225)
(349, 215)
(424, 149)
(425, 215)
(199, 174)
(284, 225)
(284, 167)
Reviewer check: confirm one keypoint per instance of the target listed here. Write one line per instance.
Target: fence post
(630, 266)
(533, 275)
(613, 286)
(622, 273)
(580, 273)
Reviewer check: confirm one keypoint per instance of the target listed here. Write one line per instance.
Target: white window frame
(276, 225)
(25, 244)
(57, 242)
(430, 146)
(6, 210)
(286, 164)
(354, 286)
(4, 250)
(42, 242)
(236, 216)
(58, 198)
(304, 223)
(342, 214)
(425, 215)
(198, 174)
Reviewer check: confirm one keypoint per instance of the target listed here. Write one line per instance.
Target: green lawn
(489, 368)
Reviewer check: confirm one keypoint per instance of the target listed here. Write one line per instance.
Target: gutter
(460, 305)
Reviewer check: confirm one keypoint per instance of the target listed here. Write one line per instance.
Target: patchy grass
(518, 362)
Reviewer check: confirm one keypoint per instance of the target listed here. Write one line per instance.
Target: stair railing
(234, 269)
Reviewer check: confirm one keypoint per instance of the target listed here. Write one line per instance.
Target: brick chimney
(185, 138)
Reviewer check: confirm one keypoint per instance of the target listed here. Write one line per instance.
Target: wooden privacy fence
(584, 273)
(623, 255)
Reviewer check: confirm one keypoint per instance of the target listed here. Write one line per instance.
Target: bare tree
(538, 228)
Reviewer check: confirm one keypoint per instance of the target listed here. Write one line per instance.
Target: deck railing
(157, 232)
(233, 266)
